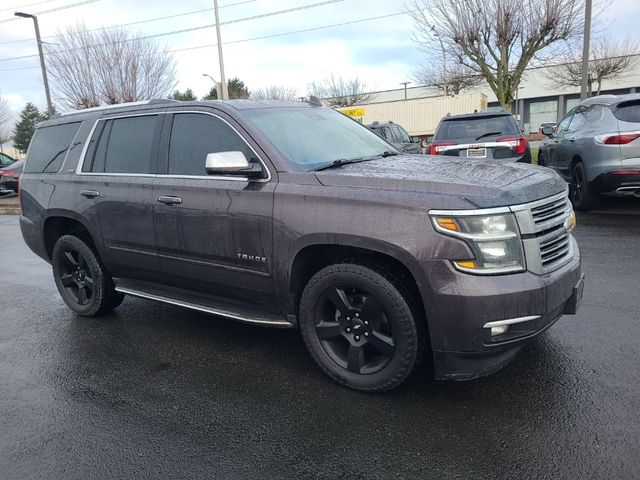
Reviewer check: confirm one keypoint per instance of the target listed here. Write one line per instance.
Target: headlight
(494, 240)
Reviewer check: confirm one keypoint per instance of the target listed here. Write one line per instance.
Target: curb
(10, 210)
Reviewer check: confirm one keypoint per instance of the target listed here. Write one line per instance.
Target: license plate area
(477, 153)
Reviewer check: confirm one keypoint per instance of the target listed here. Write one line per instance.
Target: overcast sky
(380, 51)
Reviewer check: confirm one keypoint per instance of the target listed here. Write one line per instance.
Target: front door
(213, 232)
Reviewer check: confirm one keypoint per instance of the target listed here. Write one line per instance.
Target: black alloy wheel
(581, 191)
(361, 325)
(354, 330)
(82, 280)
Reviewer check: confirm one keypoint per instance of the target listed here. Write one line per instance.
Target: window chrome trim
(167, 175)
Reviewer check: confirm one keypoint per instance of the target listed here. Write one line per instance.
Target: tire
(82, 280)
(541, 160)
(583, 197)
(362, 326)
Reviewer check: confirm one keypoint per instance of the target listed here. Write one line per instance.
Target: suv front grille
(547, 243)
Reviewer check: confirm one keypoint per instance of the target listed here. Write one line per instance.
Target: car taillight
(617, 138)
(8, 174)
(436, 148)
(518, 144)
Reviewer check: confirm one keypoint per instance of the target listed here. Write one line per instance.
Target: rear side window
(628, 112)
(49, 147)
(194, 135)
(476, 128)
(125, 145)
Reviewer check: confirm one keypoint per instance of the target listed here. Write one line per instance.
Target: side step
(206, 304)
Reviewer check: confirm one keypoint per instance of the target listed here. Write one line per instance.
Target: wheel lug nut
(366, 322)
(348, 319)
(357, 338)
(366, 334)
(348, 330)
(357, 314)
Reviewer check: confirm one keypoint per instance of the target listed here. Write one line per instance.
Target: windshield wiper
(487, 135)
(347, 161)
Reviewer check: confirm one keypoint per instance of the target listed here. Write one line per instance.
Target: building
(539, 100)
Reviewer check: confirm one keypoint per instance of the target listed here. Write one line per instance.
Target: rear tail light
(8, 174)
(617, 138)
(518, 144)
(436, 148)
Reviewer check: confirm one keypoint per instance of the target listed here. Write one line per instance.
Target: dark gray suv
(292, 215)
(596, 148)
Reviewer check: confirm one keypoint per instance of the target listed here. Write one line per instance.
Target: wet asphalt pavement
(156, 391)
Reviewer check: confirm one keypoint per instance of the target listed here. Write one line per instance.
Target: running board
(222, 309)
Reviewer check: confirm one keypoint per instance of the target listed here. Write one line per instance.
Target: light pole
(405, 88)
(216, 83)
(223, 82)
(585, 49)
(41, 53)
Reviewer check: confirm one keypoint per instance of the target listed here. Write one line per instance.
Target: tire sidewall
(398, 313)
(71, 242)
(587, 200)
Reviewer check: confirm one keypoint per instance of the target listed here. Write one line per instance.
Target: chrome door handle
(168, 200)
(89, 193)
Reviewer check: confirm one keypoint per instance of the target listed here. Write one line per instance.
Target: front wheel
(361, 326)
(82, 280)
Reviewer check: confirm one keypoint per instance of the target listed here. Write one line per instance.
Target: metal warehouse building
(539, 99)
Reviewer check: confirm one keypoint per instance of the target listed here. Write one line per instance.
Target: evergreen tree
(185, 96)
(26, 126)
(235, 87)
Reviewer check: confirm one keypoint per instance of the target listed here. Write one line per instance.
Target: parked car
(9, 177)
(596, 148)
(6, 160)
(292, 215)
(397, 136)
(551, 125)
(482, 135)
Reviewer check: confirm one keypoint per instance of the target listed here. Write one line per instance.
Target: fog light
(499, 330)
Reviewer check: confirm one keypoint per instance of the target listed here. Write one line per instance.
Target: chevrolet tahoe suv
(288, 214)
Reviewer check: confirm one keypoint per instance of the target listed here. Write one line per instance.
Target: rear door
(213, 232)
(115, 188)
(628, 115)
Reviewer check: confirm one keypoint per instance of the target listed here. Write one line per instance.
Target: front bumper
(461, 305)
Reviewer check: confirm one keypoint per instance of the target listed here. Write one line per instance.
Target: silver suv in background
(596, 148)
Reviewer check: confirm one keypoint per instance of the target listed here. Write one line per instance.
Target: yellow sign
(353, 112)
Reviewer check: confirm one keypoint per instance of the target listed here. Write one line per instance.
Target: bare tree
(340, 92)
(449, 79)
(609, 60)
(5, 115)
(275, 93)
(108, 66)
(497, 39)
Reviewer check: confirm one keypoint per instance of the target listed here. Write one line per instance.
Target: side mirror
(232, 163)
(547, 130)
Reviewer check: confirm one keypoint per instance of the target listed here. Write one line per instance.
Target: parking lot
(156, 391)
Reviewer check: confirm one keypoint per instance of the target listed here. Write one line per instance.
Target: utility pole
(405, 88)
(585, 49)
(41, 53)
(225, 93)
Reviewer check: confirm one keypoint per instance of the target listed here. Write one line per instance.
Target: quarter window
(49, 147)
(194, 135)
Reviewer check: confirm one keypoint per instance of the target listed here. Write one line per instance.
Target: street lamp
(216, 83)
(405, 88)
(41, 53)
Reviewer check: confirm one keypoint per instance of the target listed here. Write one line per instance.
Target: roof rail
(155, 101)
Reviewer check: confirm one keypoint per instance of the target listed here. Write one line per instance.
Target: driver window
(564, 124)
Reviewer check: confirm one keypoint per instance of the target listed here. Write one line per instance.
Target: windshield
(314, 137)
(477, 128)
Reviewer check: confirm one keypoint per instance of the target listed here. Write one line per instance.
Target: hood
(485, 184)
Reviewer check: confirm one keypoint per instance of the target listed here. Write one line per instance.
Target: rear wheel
(81, 278)
(360, 326)
(541, 160)
(582, 194)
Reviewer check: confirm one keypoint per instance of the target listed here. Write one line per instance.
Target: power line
(191, 29)
(63, 7)
(281, 34)
(26, 5)
(135, 23)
